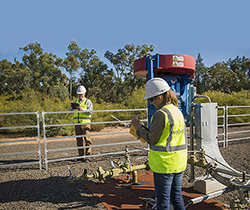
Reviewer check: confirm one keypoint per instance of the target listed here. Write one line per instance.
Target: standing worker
(85, 105)
(168, 144)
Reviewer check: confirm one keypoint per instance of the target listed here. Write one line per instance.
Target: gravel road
(27, 187)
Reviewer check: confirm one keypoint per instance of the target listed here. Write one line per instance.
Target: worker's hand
(135, 121)
(80, 108)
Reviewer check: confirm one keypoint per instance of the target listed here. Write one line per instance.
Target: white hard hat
(156, 86)
(81, 90)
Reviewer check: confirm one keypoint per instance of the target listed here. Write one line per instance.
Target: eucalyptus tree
(4, 64)
(96, 76)
(44, 71)
(123, 61)
(221, 78)
(241, 67)
(71, 62)
(14, 78)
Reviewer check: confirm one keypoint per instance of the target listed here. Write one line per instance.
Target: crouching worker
(168, 144)
(82, 104)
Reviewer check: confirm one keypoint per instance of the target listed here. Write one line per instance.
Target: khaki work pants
(83, 130)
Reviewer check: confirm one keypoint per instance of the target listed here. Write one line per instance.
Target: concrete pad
(208, 186)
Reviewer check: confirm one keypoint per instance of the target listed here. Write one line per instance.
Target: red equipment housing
(171, 64)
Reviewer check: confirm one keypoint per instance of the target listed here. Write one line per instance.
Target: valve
(200, 163)
(192, 160)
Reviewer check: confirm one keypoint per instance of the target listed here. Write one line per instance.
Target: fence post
(39, 140)
(44, 141)
(223, 126)
(225, 144)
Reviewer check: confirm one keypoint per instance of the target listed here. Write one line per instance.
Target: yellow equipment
(133, 132)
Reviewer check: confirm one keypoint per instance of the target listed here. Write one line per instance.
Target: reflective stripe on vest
(168, 147)
(88, 118)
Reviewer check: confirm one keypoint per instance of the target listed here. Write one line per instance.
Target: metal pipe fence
(225, 133)
(47, 139)
(37, 138)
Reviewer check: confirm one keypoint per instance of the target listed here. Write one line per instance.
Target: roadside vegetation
(45, 82)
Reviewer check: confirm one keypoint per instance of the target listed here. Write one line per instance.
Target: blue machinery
(177, 70)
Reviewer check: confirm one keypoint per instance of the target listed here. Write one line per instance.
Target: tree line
(46, 73)
(228, 76)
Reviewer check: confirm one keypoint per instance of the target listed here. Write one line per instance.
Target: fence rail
(225, 135)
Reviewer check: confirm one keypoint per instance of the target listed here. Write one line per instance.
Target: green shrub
(235, 99)
(33, 101)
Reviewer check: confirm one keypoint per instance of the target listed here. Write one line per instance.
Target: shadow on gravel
(18, 161)
(54, 190)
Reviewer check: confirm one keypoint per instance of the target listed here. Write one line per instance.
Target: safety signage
(178, 58)
(180, 64)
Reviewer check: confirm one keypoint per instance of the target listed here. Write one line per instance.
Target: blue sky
(218, 30)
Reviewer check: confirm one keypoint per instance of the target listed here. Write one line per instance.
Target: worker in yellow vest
(168, 144)
(85, 105)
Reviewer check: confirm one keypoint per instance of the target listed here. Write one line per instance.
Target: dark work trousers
(168, 187)
(83, 130)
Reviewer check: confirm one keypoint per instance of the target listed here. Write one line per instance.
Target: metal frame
(23, 140)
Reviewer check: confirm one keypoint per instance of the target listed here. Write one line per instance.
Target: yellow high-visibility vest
(82, 117)
(169, 155)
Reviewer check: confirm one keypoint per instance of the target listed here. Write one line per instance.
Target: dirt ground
(28, 187)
